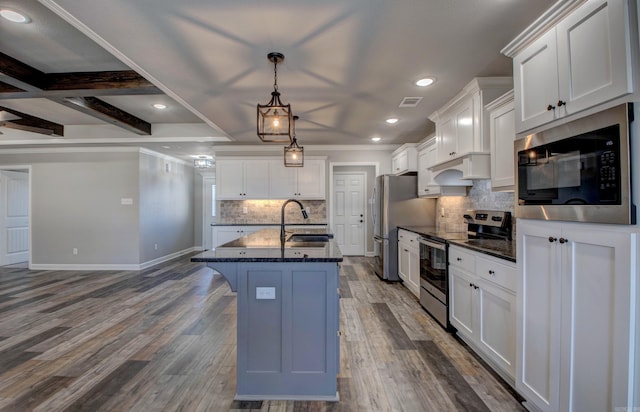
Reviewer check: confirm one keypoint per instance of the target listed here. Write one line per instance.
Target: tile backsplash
(480, 197)
(268, 211)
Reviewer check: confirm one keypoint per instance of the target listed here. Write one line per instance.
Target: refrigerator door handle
(373, 207)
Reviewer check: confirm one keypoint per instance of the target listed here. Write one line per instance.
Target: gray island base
(288, 345)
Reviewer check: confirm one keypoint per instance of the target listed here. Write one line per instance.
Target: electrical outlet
(155, 246)
(442, 212)
(308, 209)
(75, 250)
(245, 210)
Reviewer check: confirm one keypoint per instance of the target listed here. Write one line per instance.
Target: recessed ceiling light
(392, 120)
(160, 106)
(425, 82)
(14, 16)
(375, 139)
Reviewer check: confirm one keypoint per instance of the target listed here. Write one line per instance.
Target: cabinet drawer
(460, 258)
(499, 273)
(409, 239)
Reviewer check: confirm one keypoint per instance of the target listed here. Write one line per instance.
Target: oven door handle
(435, 245)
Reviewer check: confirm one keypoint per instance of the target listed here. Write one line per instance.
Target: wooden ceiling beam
(20, 75)
(31, 123)
(107, 112)
(77, 90)
(27, 81)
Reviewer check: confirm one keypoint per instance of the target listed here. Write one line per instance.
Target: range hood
(461, 170)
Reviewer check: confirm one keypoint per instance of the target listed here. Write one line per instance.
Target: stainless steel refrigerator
(395, 203)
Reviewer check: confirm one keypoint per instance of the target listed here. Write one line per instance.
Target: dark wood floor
(164, 339)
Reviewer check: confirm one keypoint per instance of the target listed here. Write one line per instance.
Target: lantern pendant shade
(275, 119)
(294, 155)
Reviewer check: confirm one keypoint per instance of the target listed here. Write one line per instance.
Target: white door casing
(349, 212)
(14, 217)
(208, 217)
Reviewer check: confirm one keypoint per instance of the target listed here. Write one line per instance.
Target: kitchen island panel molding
(288, 346)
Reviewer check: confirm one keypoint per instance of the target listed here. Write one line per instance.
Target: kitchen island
(288, 314)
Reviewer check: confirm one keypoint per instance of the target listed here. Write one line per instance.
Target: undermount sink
(309, 237)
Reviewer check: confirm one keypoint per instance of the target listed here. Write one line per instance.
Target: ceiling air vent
(410, 101)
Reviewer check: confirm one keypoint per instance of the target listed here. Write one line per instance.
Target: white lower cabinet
(482, 306)
(576, 306)
(409, 260)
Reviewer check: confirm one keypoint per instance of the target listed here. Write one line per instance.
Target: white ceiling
(348, 63)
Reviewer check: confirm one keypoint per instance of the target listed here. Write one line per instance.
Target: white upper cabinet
(583, 61)
(267, 178)
(535, 78)
(427, 157)
(462, 125)
(242, 179)
(404, 159)
(502, 128)
(307, 182)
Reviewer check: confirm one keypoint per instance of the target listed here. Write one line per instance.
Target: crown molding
(541, 25)
(307, 148)
(117, 149)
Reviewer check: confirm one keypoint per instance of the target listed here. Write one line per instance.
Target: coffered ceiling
(348, 65)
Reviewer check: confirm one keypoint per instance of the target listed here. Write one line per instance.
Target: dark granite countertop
(269, 224)
(265, 246)
(504, 249)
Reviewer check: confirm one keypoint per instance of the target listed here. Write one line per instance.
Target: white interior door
(14, 217)
(348, 212)
(209, 211)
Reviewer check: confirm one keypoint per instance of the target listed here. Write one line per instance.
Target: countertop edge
(462, 243)
(483, 250)
(268, 224)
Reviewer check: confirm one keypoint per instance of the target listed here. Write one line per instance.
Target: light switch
(265, 293)
(126, 201)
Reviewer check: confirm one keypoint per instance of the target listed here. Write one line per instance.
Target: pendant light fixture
(294, 154)
(275, 120)
(203, 162)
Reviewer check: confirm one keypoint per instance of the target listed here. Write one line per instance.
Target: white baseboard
(167, 257)
(114, 266)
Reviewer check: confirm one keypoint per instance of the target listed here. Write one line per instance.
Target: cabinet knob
(426, 190)
(459, 259)
(470, 285)
(476, 287)
(552, 239)
(550, 107)
(561, 103)
(491, 272)
(363, 221)
(563, 240)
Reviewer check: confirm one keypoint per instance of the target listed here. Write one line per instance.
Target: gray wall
(166, 207)
(76, 203)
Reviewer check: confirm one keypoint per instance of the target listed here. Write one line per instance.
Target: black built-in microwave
(578, 171)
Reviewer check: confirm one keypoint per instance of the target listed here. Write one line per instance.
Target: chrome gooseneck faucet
(304, 215)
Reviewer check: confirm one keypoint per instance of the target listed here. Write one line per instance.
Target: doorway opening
(15, 216)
